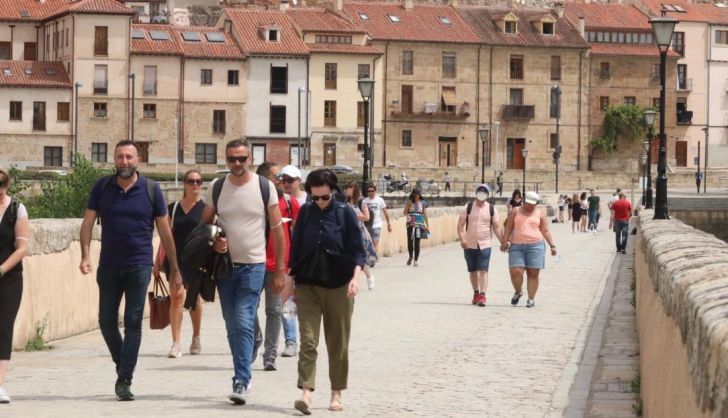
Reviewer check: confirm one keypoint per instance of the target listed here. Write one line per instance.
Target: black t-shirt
(183, 223)
(515, 204)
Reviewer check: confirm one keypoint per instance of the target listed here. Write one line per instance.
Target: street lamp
(644, 172)
(132, 77)
(78, 84)
(524, 153)
(650, 122)
(483, 132)
(366, 89)
(662, 27)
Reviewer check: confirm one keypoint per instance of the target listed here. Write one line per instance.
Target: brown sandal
(302, 406)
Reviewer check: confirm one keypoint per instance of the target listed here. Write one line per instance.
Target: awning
(449, 96)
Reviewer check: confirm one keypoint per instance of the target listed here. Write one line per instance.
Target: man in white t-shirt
(377, 208)
(242, 215)
(476, 228)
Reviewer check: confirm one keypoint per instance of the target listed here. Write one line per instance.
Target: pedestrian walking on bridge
(526, 230)
(622, 210)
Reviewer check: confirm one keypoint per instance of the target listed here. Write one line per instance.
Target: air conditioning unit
(430, 108)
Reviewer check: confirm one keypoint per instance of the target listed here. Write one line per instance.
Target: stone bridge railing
(55, 291)
(682, 318)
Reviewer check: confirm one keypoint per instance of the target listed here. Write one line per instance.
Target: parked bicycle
(430, 187)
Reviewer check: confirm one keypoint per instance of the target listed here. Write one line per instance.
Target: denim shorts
(532, 256)
(376, 233)
(477, 259)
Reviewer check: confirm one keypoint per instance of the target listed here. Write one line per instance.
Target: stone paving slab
(418, 348)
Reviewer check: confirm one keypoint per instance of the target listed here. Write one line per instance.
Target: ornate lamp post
(483, 133)
(649, 121)
(643, 157)
(524, 153)
(366, 89)
(662, 27)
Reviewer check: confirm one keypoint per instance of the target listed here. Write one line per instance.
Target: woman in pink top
(526, 230)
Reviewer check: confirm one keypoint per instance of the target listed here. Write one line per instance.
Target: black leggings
(11, 291)
(413, 244)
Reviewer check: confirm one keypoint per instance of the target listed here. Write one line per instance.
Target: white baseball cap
(483, 187)
(291, 171)
(532, 198)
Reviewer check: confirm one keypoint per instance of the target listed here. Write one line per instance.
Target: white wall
(718, 102)
(260, 98)
(50, 96)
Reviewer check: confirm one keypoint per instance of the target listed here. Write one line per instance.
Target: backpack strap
(151, 193)
(151, 185)
(216, 190)
(340, 208)
(13, 208)
(491, 209)
(105, 182)
(174, 211)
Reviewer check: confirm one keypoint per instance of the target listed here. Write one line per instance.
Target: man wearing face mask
(476, 226)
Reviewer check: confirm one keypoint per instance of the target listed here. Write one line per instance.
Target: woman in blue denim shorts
(526, 230)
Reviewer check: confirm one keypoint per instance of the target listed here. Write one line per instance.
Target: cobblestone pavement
(418, 348)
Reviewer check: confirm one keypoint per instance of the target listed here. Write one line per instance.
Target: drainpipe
(490, 90)
(181, 114)
(37, 46)
(12, 32)
(384, 106)
(578, 122)
(477, 106)
(589, 119)
(372, 115)
(308, 113)
(707, 108)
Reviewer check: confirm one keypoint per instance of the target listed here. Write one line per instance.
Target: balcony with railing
(605, 74)
(431, 111)
(518, 112)
(684, 84)
(685, 117)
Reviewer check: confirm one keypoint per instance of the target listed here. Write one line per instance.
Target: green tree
(67, 196)
(624, 122)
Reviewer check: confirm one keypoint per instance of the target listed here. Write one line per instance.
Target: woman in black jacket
(327, 255)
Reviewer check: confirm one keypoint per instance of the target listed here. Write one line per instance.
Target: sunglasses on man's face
(232, 159)
(325, 197)
(371, 191)
(193, 182)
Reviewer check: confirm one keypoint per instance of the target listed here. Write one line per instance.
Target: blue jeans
(273, 321)
(239, 296)
(593, 218)
(289, 330)
(130, 282)
(621, 230)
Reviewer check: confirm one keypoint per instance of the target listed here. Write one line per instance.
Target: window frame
(219, 121)
(449, 64)
(233, 77)
(101, 41)
(96, 152)
(101, 85)
(408, 67)
(330, 113)
(15, 106)
(52, 160)
(359, 71)
(205, 76)
(603, 103)
(149, 84)
(275, 120)
(63, 109)
(330, 75)
(510, 27)
(406, 134)
(278, 86)
(149, 109)
(516, 70)
(208, 152)
(556, 75)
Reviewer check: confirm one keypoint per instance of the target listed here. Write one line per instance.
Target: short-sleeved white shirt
(376, 207)
(22, 211)
(242, 216)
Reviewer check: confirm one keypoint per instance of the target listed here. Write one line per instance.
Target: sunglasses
(325, 197)
(371, 191)
(287, 180)
(193, 182)
(241, 160)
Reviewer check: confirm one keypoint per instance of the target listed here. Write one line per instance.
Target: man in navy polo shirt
(128, 214)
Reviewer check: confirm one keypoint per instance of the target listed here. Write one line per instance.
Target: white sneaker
(4, 397)
(370, 282)
(415, 263)
(195, 347)
(175, 351)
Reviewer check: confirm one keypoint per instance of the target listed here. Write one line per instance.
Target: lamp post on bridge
(650, 122)
(366, 89)
(483, 133)
(524, 153)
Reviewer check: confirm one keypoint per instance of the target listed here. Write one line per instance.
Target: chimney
(284, 5)
(559, 9)
(227, 25)
(582, 26)
(409, 5)
(339, 5)
(453, 3)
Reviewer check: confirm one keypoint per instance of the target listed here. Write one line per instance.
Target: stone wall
(681, 290)
(706, 214)
(55, 289)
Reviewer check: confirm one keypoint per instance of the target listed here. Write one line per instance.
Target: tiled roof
(483, 20)
(311, 19)
(690, 14)
(344, 49)
(177, 45)
(249, 24)
(629, 50)
(421, 24)
(712, 13)
(34, 10)
(608, 16)
(43, 74)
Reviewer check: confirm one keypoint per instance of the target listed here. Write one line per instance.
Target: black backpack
(469, 209)
(264, 192)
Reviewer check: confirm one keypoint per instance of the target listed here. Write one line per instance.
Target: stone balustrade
(682, 318)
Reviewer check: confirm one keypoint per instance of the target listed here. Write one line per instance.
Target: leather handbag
(159, 304)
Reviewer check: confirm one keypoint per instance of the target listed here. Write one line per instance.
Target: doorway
(514, 156)
(406, 99)
(143, 151)
(448, 151)
(681, 153)
(329, 154)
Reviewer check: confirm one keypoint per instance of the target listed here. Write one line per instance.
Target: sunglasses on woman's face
(193, 182)
(325, 197)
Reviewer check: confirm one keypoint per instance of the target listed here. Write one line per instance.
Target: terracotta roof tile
(483, 20)
(177, 45)
(690, 14)
(248, 26)
(608, 16)
(312, 19)
(344, 49)
(37, 11)
(421, 24)
(713, 13)
(629, 50)
(43, 74)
